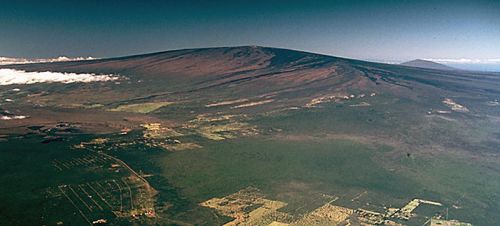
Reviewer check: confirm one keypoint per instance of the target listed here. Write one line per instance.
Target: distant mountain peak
(427, 64)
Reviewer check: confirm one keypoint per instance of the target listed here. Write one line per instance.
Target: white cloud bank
(466, 61)
(4, 117)
(11, 76)
(12, 60)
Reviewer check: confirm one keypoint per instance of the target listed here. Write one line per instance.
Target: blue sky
(382, 30)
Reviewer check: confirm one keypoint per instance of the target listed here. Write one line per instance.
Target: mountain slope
(427, 64)
(287, 78)
(257, 70)
(290, 78)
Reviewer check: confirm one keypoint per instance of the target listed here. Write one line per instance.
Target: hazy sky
(378, 29)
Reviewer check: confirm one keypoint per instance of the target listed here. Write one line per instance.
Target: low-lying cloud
(466, 61)
(12, 60)
(11, 77)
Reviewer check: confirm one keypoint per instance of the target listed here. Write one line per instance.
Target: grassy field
(142, 107)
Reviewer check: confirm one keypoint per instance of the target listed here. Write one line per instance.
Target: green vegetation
(272, 164)
(55, 182)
